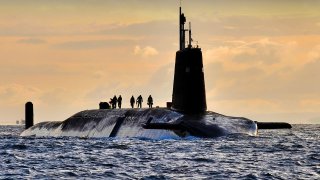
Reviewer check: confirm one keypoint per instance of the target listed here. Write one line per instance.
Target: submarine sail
(189, 94)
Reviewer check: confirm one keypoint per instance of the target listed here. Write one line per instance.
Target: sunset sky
(261, 58)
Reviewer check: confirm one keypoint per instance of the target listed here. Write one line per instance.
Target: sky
(261, 58)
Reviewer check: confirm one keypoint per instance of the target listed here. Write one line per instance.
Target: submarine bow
(188, 115)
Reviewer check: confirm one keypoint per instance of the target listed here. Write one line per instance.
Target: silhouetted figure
(119, 101)
(139, 101)
(114, 102)
(150, 101)
(111, 102)
(132, 100)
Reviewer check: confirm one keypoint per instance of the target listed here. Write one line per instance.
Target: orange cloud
(145, 52)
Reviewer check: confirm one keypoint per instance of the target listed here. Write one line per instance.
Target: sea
(272, 154)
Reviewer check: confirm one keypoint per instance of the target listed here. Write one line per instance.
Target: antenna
(190, 39)
(182, 20)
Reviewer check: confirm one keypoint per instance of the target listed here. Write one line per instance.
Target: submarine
(186, 115)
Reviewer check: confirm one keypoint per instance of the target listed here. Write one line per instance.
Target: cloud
(17, 94)
(253, 83)
(145, 51)
(93, 44)
(32, 41)
(100, 92)
(99, 74)
(314, 54)
(57, 97)
(240, 26)
(264, 76)
(263, 53)
(161, 81)
(161, 28)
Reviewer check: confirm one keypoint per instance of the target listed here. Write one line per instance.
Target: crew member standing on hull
(114, 102)
(139, 101)
(150, 101)
(119, 101)
(132, 100)
(111, 102)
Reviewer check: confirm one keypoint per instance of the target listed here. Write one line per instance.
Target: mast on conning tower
(190, 39)
(182, 32)
(182, 20)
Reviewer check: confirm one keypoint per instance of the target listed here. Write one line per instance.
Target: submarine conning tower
(189, 94)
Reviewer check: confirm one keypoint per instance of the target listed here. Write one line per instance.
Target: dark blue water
(273, 154)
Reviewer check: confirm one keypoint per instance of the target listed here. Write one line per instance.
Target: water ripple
(281, 154)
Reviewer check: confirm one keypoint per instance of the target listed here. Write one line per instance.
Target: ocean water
(273, 154)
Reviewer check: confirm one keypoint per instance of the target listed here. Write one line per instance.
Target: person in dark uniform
(114, 102)
(150, 101)
(139, 101)
(119, 101)
(132, 100)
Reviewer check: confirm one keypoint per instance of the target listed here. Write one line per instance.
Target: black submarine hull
(155, 123)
